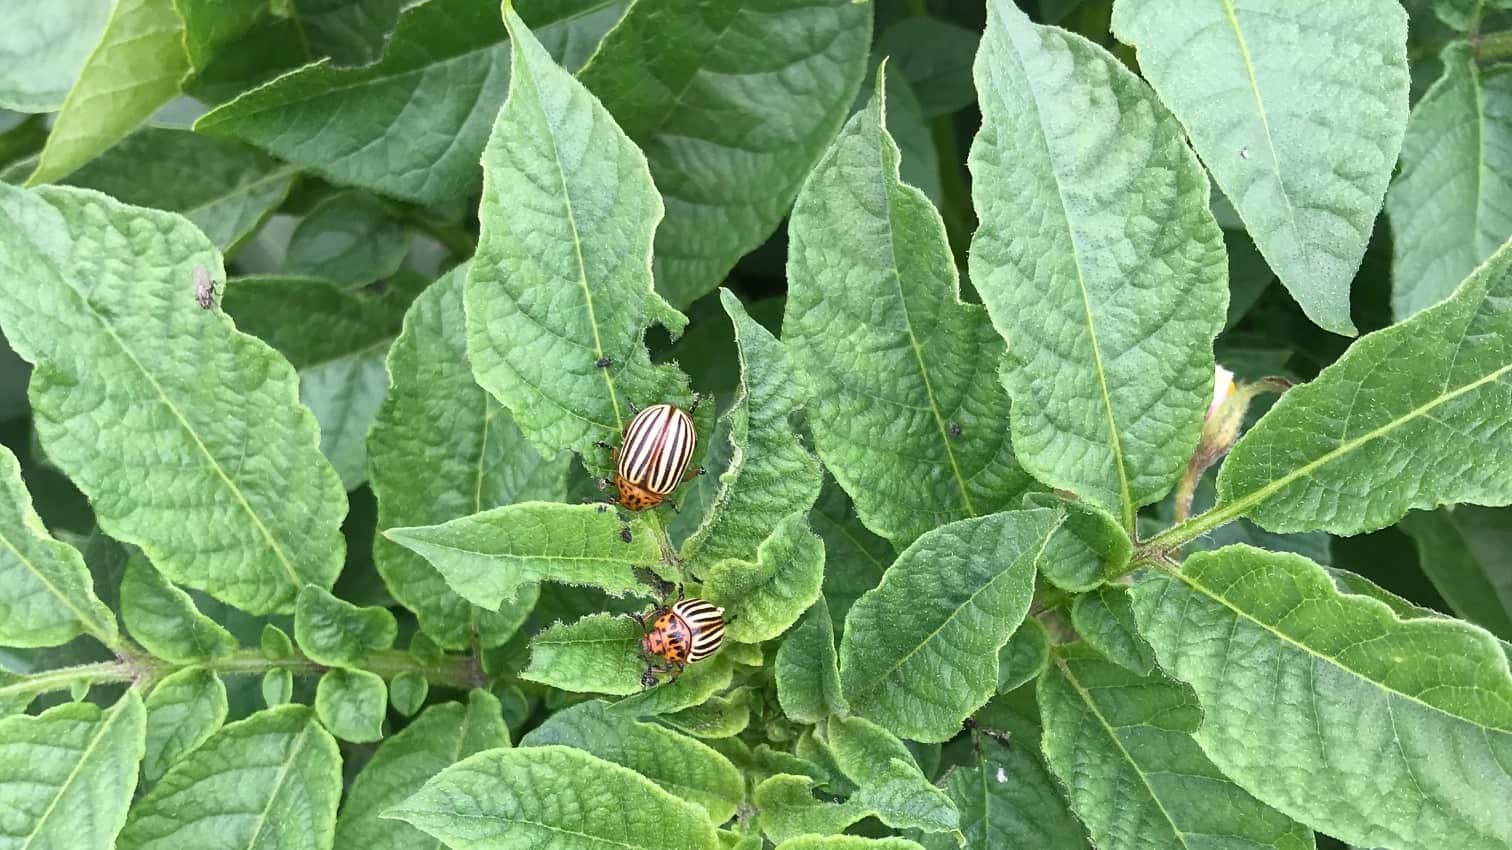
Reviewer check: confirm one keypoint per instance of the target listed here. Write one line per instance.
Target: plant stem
(453, 671)
(1492, 47)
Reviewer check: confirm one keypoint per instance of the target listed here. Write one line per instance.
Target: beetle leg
(680, 596)
(697, 398)
(693, 473)
(603, 445)
(640, 619)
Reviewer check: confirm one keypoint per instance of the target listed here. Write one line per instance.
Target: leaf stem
(1492, 47)
(452, 671)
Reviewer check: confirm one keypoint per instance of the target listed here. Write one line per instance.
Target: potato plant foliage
(1106, 408)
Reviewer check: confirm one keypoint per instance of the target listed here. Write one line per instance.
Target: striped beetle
(653, 459)
(687, 632)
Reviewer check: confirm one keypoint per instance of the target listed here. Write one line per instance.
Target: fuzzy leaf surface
(807, 671)
(164, 620)
(1098, 260)
(1412, 745)
(762, 598)
(907, 407)
(185, 433)
(1007, 798)
(183, 711)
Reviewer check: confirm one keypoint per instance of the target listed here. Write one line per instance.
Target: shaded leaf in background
(441, 448)
(770, 476)
(1024, 656)
(1451, 203)
(1104, 619)
(1467, 554)
(788, 809)
(1298, 109)
(438, 738)
(49, 598)
(1412, 416)
(807, 672)
(764, 596)
(684, 767)
(67, 775)
(336, 633)
(352, 704)
(143, 38)
(934, 56)
(732, 101)
(887, 778)
(163, 619)
(907, 409)
(42, 48)
(183, 711)
(920, 652)
(1409, 748)
(854, 558)
(274, 777)
(155, 406)
(1007, 799)
(1099, 261)
(488, 557)
(227, 189)
(349, 238)
(553, 796)
(562, 276)
(1087, 549)
(1121, 745)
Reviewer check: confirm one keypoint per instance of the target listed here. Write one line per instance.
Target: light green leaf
(854, 558)
(907, 411)
(1024, 656)
(808, 678)
(428, 468)
(49, 598)
(920, 654)
(437, 739)
(1451, 203)
(770, 475)
(271, 780)
(1007, 799)
(352, 703)
(1410, 417)
(337, 633)
(1410, 747)
(934, 56)
(566, 198)
(183, 711)
(67, 775)
(407, 692)
(555, 797)
(788, 809)
(684, 767)
(888, 780)
(694, 687)
(42, 49)
(1104, 619)
(227, 189)
(728, 133)
(597, 654)
(274, 643)
(133, 375)
(134, 69)
(762, 598)
(1087, 549)
(847, 842)
(1298, 110)
(1098, 260)
(349, 238)
(1122, 747)
(163, 619)
(715, 717)
(277, 687)
(1354, 583)
(1467, 553)
(487, 557)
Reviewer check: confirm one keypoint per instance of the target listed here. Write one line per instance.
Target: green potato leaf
(907, 408)
(42, 49)
(336, 633)
(1007, 798)
(427, 468)
(762, 598)
(165, 621)
(1101, 265)
(789, 810)
(553, 796)
(1104, 618)
(920, 651)
(696, 86)
(72, 759)
(807, 671)
(1409, 747)
(889, 783)
(1465, 552)
(351, 704)
(132, 378)
(183, 711)
(270, 780)
(1298, 109)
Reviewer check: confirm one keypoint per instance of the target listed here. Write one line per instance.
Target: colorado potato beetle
(687, 632)
(653, 458)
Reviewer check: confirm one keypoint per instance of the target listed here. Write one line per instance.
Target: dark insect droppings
(625, 534)
(954, 430)
(603, 362)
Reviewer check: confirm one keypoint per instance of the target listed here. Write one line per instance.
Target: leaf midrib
(278, 781)
(1242, 614)
(101, 729)
(86, 623)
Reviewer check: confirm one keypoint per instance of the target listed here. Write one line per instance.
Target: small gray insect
(204, 288)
